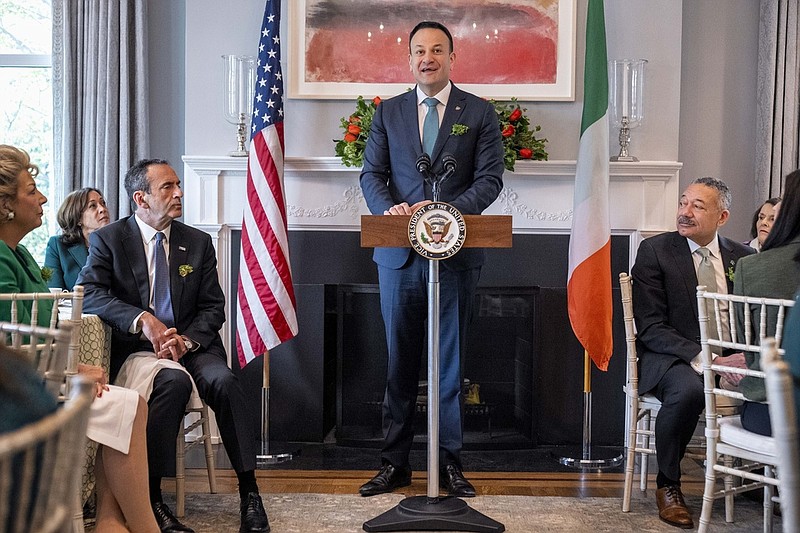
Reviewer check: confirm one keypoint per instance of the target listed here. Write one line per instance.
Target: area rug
(334, 513)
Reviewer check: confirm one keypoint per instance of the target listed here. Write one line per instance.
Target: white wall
(718, 101)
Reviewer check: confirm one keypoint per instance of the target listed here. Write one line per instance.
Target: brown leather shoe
(672, 508)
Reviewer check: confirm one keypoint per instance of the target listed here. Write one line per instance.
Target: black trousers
(223, 393)
(681, 394)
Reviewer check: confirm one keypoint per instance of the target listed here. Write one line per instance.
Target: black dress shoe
(387, 479)
(453, 481)
(167, 521)
(254, 517)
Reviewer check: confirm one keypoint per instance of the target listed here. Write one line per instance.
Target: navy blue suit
(390, 177)
(117, 288)
(668, 337)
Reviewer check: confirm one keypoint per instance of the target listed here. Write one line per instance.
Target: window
(26, 107)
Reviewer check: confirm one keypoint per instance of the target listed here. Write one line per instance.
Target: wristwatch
(189, 343)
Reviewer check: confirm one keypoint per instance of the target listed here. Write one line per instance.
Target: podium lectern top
(483, 231)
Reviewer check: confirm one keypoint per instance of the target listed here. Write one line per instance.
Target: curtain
(778, 90)
(100, 95)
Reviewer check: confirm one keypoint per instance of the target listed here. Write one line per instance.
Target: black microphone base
(420, 513)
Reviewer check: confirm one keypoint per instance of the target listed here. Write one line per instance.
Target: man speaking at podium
(437, 119)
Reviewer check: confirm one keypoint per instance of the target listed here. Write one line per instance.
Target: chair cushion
(732, 432)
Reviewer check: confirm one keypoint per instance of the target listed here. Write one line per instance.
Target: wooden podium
(432, 513)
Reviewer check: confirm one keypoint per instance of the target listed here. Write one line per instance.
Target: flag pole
(266, 458)
(589, 277)
(597, 458)
(267, 310)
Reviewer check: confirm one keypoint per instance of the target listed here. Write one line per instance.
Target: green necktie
(430, 128)
(706, 276)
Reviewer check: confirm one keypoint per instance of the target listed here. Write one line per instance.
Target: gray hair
(723, 192)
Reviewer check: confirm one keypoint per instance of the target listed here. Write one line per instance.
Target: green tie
(430, 128)
(706, 276)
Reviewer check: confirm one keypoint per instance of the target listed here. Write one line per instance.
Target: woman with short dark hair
(82, 212)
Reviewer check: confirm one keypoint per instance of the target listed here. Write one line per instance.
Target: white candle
(626, 112)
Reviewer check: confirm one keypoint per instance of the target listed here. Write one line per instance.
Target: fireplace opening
(498, 370)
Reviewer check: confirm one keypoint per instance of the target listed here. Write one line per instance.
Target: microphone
(449, 163)
(424, 164)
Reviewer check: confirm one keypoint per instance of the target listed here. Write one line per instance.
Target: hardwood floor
(569, 484)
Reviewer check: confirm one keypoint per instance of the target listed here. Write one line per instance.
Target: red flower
(355, 129)
(525, 153)
(508, 131)
(354, 119)
(376, 100)
(350, 138)
(515, 115)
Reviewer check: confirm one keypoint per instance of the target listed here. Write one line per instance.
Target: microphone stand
(432, 513)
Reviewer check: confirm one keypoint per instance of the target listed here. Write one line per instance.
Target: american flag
(267, 309)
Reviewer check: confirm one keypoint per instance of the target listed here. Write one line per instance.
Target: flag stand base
(586, 456)
(598, 458)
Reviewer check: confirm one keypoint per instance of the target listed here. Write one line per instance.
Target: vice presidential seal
(437, 230)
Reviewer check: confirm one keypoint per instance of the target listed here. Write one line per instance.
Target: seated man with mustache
(665, 278)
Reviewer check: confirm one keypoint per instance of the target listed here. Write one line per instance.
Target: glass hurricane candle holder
(240, 82)
(626, 101)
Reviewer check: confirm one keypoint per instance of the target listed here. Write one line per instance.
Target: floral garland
(356, 130)
(519, 141)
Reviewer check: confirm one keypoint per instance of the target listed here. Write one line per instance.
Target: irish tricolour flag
(589, 277)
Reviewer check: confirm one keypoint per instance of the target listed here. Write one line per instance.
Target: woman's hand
(96, 374)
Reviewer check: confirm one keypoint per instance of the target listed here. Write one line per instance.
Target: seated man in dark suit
(154, 281)
(667, 271)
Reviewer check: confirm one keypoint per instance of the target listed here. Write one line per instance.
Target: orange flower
(514, 116)
(376, 100)
(525, 153)
(354, 119)
(355, 129)
(350, 138)
(508, 131)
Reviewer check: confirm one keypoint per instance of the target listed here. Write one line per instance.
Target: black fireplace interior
(499, 367)
(521, 350)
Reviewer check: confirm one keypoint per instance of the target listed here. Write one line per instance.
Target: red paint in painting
(339, 48)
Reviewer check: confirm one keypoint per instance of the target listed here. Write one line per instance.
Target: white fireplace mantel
(322, 194)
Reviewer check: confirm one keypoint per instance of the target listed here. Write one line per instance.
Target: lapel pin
(458, 108)
(181, 248)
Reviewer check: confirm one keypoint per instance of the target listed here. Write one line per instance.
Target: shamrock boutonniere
(185, 270)
(729, 272)
(459, 129)
(47, 273)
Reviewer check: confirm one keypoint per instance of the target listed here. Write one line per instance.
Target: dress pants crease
(223, 393)
(682, 400)
(166, 408)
